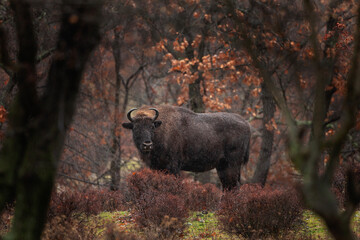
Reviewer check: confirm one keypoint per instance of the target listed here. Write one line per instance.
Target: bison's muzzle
(147, 146)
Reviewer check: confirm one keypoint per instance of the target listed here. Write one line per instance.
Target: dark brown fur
(197, 142)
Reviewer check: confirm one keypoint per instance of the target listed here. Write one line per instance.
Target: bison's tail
(246, 156)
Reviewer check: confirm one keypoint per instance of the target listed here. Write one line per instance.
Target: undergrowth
(254, 212)
(161, 206)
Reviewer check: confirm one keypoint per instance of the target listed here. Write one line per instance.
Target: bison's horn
(156, 113)
(129, 114)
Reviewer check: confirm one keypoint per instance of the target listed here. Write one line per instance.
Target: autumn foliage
(148, 181)
(92, 201)
(200, 197)
(157, 203)
(255, 212)
(197, 196)
(3, 114)
(161, 202)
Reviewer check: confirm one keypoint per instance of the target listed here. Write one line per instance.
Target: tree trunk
(263, 164)
(37, 126)
(198, 106)
(116, 146)
(195, 97)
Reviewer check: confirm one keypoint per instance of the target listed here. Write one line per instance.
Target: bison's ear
(128, 125)
(157, 123)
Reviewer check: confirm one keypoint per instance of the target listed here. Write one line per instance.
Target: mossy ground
(204, 225)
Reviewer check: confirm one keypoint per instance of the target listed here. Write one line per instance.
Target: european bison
(175, 138)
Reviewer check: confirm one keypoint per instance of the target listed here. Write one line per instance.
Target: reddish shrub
(106, 199)
(163, 215)
(63, 222)
(152, 209)
(63, 228)
(202, 197)
(92, 201)
(65, 204)
(197, 196)
(113, 233)
(158, 202)
(253, 211)
(146, 180)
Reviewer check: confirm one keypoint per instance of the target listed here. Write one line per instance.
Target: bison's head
(143, 128)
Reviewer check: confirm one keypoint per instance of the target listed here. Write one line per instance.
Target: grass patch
(356, 224)
(122, 220)
(314, 226)
(204, 225)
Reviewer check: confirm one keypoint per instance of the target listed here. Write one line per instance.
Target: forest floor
(204, 225)
(199, 225)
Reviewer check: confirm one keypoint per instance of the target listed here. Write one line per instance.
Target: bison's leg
(229, 177)
(173, 170)
(229, 169)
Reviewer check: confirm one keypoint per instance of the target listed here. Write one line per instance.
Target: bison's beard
(145, 151)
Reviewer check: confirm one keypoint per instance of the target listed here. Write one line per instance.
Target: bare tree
(127, 84)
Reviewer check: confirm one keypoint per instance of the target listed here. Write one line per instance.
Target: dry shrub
(152, 209)
(107, 200)
(170, 228)
(93, 201)
(113, 233)
(161, 202)
(147, 181)
(254, 212)
(197, 196)
(65, 204)
(158, 203)
(202, 196)
(70, 210)
(64, 228)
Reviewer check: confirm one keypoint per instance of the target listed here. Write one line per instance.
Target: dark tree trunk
(196, 102)
(116, 146)
(263, 163)
(37, 126)
(195, 97)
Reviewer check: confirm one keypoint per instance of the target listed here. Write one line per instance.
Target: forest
(72, 70)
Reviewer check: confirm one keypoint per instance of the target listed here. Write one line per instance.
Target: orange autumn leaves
(3, 114)
(219, 73)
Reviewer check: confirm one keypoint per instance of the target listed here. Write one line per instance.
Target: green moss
(314, 226)
(204, 225)
(112, 215)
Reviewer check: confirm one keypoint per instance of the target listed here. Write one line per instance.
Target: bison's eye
(135, 128)
(157, 124)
